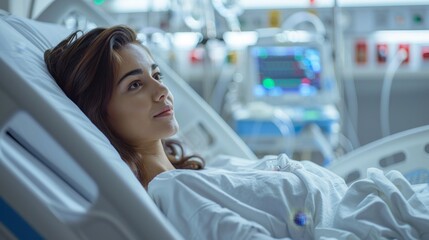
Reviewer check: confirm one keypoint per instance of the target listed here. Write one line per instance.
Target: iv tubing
(394, 64)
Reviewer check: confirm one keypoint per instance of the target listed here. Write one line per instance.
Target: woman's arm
(197, 216)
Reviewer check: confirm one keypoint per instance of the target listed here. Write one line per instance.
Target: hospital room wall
(408, 106)
(390, 27)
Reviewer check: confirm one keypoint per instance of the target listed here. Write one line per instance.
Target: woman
(117, 84)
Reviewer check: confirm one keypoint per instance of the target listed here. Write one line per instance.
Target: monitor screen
(285, 70)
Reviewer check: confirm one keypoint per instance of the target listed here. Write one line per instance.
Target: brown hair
(84, 67)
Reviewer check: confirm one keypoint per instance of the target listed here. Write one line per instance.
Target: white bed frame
(407, 152)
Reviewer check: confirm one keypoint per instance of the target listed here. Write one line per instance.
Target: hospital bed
(60, 178)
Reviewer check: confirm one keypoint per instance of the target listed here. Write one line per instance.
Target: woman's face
(141, 107)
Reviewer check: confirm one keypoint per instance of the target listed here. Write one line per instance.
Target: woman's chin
(173, 128)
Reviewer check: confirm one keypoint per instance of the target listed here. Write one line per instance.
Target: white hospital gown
(298, 201)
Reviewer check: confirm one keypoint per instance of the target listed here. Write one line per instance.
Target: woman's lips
(166, 111)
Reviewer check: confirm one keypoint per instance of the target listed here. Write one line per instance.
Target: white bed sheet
(255, 202)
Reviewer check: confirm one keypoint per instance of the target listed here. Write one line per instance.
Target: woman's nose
(161, 91)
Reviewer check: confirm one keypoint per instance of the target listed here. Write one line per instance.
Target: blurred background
(313, 78)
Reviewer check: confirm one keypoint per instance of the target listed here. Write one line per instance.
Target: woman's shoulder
(180, 180)
(203, 177)
(176, 175)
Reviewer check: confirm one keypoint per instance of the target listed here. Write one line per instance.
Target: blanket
(279, 198)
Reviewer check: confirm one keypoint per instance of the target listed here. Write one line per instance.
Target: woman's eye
(134, 85)
(158, 76)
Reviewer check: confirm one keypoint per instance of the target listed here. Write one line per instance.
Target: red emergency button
(425, 53)
(361, 52)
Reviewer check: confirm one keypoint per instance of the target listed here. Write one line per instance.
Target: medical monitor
(290, 74)
(286, 70)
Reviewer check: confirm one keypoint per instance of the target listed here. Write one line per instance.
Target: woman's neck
(154, 160)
